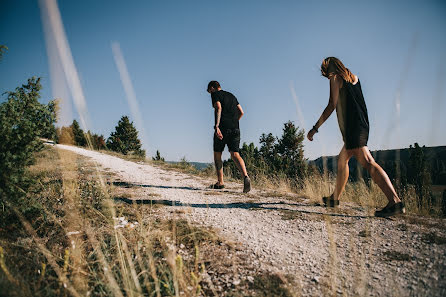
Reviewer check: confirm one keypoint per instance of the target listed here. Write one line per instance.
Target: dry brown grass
(78, 245)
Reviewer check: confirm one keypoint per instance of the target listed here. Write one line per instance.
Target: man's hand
(218, 133)
(311, 134)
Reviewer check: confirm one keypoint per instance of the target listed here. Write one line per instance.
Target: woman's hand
(311, 134)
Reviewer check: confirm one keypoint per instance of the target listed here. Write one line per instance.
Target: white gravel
(322, 249)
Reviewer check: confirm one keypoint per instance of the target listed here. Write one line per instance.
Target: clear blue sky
(256, 49)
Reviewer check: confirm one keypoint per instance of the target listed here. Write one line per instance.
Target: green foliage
(23, 120)
(419, 175)
(125, 139)
(65, 135)
(158, 157)
(97, 141)
(78, 133)
(276, 157)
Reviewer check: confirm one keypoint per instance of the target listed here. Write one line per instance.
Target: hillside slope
(326, 252)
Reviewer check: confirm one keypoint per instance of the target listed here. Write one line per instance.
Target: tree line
(123, 140)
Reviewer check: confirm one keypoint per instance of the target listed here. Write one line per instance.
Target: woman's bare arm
(335, 85)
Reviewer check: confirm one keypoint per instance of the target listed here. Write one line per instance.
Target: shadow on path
(130, 185)
(241, 205)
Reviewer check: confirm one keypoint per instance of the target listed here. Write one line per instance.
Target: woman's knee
(369, 164)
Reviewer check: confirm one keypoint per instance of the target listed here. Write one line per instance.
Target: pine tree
(158, 157)
(290, 147)
(78, 133)
(125, 139)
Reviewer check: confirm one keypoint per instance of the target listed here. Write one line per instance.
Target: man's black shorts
(231, 137)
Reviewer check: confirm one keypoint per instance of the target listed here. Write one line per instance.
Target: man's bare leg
(219, 167)
(239, 163)
(242, 168)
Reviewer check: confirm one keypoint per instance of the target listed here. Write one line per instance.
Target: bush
(23, 120)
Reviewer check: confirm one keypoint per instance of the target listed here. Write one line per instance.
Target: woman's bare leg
(343, 172)
(379, 176)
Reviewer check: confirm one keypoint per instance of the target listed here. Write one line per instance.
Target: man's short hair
(213, 84)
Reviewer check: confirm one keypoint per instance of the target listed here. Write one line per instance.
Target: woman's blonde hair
(334, 65)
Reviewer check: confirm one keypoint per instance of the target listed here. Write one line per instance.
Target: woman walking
(346, 97)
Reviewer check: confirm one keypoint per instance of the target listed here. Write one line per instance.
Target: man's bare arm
(241, 113)
(217, 113)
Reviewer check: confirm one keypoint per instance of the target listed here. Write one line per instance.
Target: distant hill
(388, 159)
(198, 165)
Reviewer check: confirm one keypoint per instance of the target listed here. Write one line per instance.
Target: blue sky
(258, 50)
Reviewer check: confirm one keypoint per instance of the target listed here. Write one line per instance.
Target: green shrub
(23, 120)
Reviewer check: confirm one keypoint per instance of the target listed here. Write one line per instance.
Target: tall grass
(316, 185)
(74, 246)
(77, 241)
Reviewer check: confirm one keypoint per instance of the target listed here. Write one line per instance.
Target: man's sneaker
(217, 186)
(246, 184)
(330, 202)
(397, 208)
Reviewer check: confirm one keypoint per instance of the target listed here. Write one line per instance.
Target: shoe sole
(330, 205)
(246, 187)
(391, 214)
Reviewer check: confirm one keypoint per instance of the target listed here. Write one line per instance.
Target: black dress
(352, 115)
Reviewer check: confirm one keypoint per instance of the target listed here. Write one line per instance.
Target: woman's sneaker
(216, 186)
(330, 202)
(397, 208)
(246, 184)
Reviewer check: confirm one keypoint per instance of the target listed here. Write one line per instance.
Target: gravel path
(328, 252)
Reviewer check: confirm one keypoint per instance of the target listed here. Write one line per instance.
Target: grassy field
(70, 239)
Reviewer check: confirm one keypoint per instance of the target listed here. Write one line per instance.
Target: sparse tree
(420, 175)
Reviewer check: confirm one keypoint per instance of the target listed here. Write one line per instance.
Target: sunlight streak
(437, 103)
(129, 91)
(300, 116)
(395, 116)
(57, 42)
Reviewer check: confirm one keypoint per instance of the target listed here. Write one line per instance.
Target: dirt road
(328, 252)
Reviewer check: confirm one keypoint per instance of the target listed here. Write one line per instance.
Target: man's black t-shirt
(229, 110)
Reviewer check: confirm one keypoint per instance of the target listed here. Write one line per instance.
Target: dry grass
(82, 244)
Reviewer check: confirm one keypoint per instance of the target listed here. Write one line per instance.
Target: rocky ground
(345, 251)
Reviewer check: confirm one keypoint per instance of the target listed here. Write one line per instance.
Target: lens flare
(300, 116)
(129, 90)
(60, 52)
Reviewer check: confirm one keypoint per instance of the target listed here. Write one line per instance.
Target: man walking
(228, 112)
